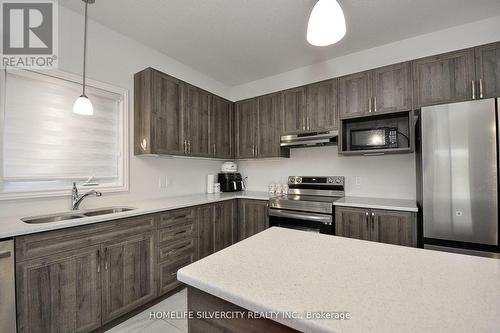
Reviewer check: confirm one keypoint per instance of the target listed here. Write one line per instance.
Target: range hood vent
(309, 139)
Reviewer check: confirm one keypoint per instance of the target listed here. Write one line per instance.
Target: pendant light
(83, 105)
(326, 23)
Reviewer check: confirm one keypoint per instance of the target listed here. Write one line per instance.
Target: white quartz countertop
(378, 203)
(13, 226)
(385, 288)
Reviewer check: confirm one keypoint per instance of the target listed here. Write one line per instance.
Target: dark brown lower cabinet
(77, 279)
(385, 226)
(177, 242)
(217, 227)
(225, 224)
(202, 302)
(128, 275)
(60, 293)
(352, 223)
(253, 217)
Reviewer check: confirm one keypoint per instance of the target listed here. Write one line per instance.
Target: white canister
(217, 188)
(210, 183)
(272, 188)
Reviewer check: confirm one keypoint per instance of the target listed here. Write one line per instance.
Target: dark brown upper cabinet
(354, 95)
(381, 90)
(269, 126)
(246, 128)
(258, 126)
(294, 105)
(445, 78)
(488, 70)
(310, 108)
(196, 111)
(392, 88)
(158, 113)
(221, 128)
(322, 111)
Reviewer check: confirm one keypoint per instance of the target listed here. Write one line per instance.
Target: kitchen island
(293, 280)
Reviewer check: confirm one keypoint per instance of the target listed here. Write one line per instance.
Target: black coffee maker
(230, 181)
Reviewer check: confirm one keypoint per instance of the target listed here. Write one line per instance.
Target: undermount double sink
(75, 215)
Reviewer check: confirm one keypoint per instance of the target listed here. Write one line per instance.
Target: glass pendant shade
(83, 106)
(326, 23)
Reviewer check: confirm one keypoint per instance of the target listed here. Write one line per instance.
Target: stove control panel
(319, 180)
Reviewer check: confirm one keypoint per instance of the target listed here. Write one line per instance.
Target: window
(45, 146)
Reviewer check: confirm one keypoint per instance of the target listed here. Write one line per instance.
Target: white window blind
(44, 141)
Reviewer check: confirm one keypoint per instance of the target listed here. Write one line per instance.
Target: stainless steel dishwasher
(7, 287)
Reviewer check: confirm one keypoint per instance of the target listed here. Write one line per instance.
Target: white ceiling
(239, 41)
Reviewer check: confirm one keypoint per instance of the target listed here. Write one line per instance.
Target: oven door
(313, 222)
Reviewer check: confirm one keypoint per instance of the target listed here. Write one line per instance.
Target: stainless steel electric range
(308, 205)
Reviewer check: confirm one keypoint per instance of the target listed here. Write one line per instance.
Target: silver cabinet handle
(106, 258)
(370, 105)
(374, 103)
(185, 147)
(473, 86)
(215, 150)
(480, 88)
(366, 213)
(5, 254)
(98, 261)
(308, 123)
(189, 146)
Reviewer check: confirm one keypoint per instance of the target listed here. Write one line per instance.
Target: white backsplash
(389, 176)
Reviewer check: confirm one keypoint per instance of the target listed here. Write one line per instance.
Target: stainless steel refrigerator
(458, 170)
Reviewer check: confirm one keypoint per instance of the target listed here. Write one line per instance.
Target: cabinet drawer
(175, 232)
(179, 216)
(51, 242)
(168, 273)
(175, 249)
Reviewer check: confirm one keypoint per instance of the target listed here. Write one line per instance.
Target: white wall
(391, 176)
(114, 58)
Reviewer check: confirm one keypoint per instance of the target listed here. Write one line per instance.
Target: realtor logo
(29, 33)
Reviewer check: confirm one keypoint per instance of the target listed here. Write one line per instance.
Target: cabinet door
(253, 217)
(322, 111)
(294, 109)
(488, 70)
(392, 88)
(226, 224)
(128, 277)
(246, 128)
(354, 95)
(221, 128)
(205, 227)
(352, 222)
(60, 293)
(269, 126)
(166, 115)
(445, 78)
(196, 121)
(393, 227)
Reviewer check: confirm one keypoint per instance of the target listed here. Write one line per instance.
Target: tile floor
(142, 322)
